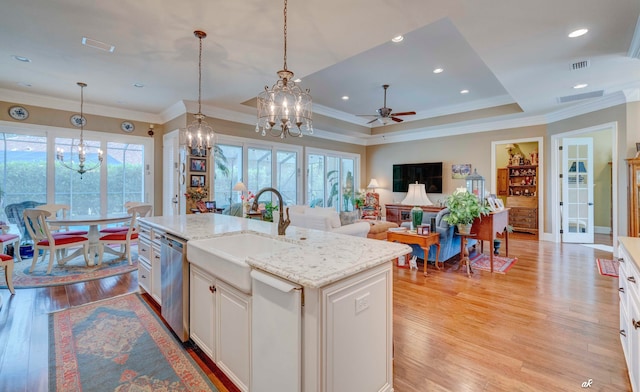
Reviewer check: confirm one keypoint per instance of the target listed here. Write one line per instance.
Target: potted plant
(267, 215)
(464, 208)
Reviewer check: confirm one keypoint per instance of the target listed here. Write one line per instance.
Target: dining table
(94, 222)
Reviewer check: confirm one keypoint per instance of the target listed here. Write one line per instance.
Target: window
(332, 179)
(29, 169)
(259, 165)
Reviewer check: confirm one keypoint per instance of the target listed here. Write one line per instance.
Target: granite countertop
(319, 259)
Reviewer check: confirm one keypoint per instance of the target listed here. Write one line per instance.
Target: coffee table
(424, 241)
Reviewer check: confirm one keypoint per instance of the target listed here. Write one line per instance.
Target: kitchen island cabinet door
(233, 343)
(202, 310)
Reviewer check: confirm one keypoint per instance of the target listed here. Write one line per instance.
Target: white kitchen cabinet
(149, 261)
(202, 319)
(156, 282)
(220, 319)
(629, 293)
(347, 326)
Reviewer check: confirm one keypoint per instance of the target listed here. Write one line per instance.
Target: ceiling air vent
(582, 64)
(98, 45)
(577, 97)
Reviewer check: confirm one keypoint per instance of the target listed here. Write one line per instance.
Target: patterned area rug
(118, 345)
(608, 267)
(73, 271)
(500, 264)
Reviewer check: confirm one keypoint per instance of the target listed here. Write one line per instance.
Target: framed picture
(500, 204)
(198, 180)
(460, 170)
(493, 206)
(198, 165)
(199, 152)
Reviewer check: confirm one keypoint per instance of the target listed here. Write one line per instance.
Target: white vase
(464, 228)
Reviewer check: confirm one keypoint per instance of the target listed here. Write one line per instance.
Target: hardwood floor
(549, 324)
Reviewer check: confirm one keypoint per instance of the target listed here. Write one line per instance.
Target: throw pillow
(347, 218)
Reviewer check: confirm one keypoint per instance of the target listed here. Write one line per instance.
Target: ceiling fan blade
(403, 114)
(374, 120)
(367, 115)
(396, 119)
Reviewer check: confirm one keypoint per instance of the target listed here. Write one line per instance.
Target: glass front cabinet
(634, 196)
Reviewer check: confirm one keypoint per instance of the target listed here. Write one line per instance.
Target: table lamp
(416, 196)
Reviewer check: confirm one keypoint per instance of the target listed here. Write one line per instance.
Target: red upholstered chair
(6, 262)
(371, 208)
(7, 238)
(60, 211)
(124, 228)
(36, 222)
(126, 238)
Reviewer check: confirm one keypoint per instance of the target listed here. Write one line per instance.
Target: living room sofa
(449, 241)
(326, 219)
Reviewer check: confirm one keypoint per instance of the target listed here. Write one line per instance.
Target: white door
(577, 190)
(175, 175)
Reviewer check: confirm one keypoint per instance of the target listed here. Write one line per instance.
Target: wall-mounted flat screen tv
(429, 174)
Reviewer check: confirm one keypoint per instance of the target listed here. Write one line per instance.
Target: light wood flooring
(549, 324)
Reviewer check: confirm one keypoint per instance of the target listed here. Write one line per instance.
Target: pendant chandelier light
(199, 135)
(82, 166)
(285, 109)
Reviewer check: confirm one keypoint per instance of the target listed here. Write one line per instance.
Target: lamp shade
(240, 187)
(417, 196)
(373, 184)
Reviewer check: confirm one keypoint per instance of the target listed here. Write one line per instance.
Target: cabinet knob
(143, 249)
(144, 276)
(631, 279)
(623, 333)
(621, 259)
(621, 289)
(212, 289)
(156, 256)
(636, 324)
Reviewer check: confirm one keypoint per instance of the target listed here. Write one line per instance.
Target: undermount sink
(225, 256)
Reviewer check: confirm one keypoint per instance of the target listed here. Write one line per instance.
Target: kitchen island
(307, 311)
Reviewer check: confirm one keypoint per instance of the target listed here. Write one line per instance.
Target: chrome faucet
(282, 223)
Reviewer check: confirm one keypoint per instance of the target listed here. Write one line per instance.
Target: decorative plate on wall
(127, 126)
(18, 113)
(78, 120)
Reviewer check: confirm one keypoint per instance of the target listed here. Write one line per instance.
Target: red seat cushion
(114, 229)
(118, 237)
(7, 237)
(4, 257)
(62, 240)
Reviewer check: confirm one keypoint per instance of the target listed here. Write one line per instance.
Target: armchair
(449, 241)
(371, 208)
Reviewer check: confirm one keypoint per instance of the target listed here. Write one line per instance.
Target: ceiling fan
(385, 112)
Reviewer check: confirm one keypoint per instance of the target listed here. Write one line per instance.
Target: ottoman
(378, 229)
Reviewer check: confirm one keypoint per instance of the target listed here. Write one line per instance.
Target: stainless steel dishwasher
(174, 282)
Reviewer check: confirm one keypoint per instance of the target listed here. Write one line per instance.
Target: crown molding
(74, 106)
(634, 47)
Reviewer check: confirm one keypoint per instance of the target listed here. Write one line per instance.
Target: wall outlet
(362, 303)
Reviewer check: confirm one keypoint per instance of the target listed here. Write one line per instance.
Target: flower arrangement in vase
(246, 201)
(197, 194)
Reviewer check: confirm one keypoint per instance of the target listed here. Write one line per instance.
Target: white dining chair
(60, 211)
(125, 238)
(6, 262)
(36, 222)
(125, 227)
(7, 238)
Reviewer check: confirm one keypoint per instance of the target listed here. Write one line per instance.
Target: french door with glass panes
(577, 190)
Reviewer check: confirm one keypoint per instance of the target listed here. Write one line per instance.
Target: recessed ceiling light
(22, 58)
(138, 85)
(397, 39)
(24, 84)
(580, 85)
(438, 70)
(578, 33)
(464, 91)
(298, 80)
(345, 97)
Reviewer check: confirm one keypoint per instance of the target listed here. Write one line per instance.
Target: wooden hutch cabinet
(398, 213)
(634, 197)
(523, 198)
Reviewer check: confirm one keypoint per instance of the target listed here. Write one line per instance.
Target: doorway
(603, 221)
(517, 167)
